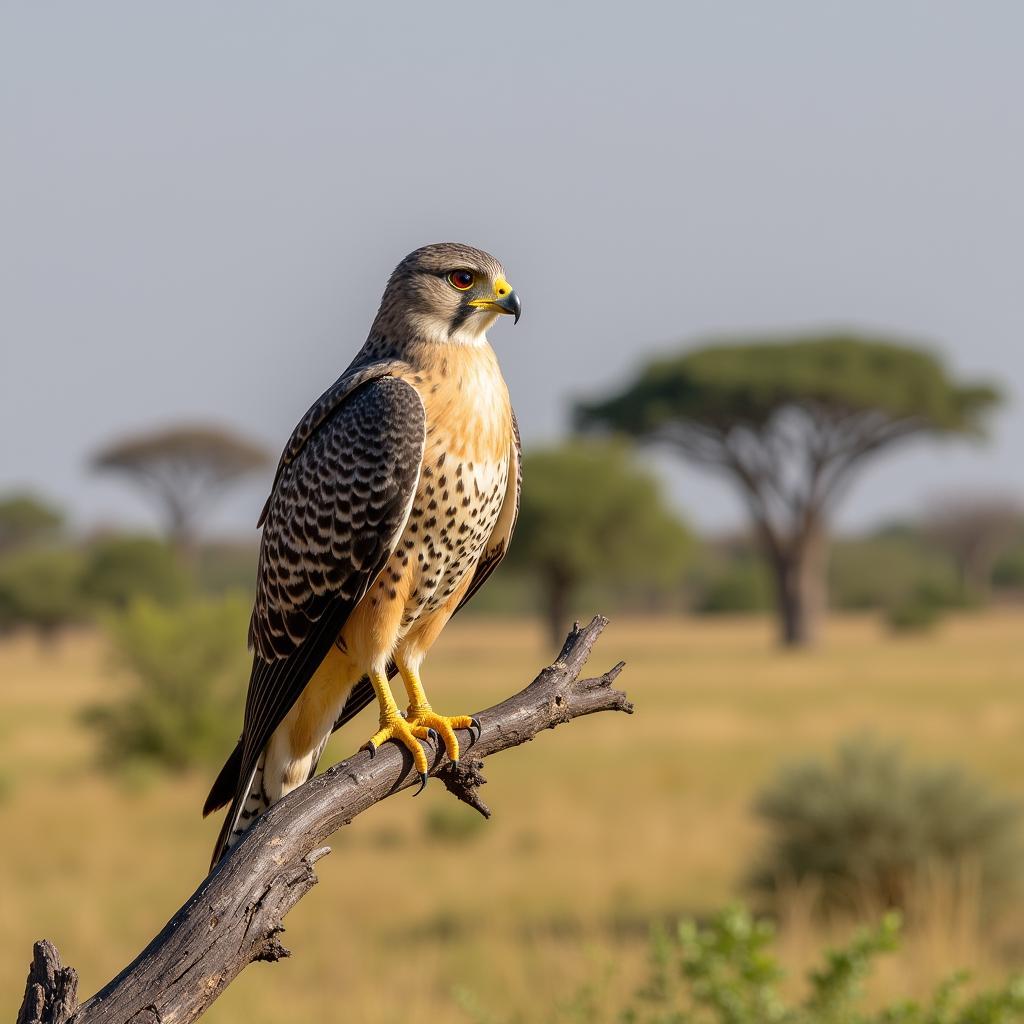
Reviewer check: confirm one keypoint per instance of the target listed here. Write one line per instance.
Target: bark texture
(235, 916)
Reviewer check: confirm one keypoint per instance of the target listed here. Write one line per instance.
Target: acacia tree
(183, 470)
(589, 515)
(790, 421)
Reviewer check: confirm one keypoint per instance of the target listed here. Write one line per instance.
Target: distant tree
(25, 519)
(40, 589)
(974, 530)
(589, 515)
(789, 422)
(183, 470)
(119, 569)
(189, 665)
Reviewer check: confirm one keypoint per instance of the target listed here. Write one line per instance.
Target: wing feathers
(336, 513)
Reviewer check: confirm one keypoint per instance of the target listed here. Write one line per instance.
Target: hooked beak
(505, 300)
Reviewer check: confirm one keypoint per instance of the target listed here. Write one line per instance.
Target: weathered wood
(51, 992)
(235, 916)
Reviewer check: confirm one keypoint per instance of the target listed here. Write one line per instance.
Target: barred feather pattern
(338, 507)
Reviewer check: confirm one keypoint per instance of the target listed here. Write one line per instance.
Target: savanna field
(599, 833)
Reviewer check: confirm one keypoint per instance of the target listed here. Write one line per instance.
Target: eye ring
(461, 280)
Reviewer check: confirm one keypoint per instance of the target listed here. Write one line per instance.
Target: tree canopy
(790, 420)
(183, 469)
(734, 384)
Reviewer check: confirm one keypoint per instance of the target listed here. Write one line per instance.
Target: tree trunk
(800, 589)
(558, 586)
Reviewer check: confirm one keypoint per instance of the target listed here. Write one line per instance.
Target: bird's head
(449, 292)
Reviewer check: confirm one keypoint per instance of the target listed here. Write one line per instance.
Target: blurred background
(769, 380)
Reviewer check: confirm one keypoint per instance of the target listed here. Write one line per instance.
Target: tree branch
(235, 916)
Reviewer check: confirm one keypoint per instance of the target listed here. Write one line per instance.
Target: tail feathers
(226, 783)
(249, 803)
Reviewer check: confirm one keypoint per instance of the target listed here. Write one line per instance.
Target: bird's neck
(422, 340)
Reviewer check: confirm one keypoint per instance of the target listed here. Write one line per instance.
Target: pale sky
(200, 203)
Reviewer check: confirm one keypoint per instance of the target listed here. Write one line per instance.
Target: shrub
(120, 569)
(26, 519)
(873, 828)
(727, 973)
(912, 616)
(40, 589)
(737, 585)
(224, 566)
(189, 666)
(889, 570)
(1008, 572)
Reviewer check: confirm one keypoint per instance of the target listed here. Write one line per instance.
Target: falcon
(394, 500)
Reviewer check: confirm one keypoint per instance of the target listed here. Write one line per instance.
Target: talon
(403, 733)
(432, 735)
(474, 723)
(423, 783)
(371, 747)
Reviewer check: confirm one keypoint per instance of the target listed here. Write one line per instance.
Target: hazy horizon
(201, 206)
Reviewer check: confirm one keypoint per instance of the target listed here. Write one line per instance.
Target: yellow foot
(424, 721)
(397, 728)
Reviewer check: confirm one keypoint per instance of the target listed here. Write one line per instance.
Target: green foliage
(726, 972)
(888, 569)
(789, 420)
(1008, 571)
(26, 519)
(223, 567)
(40, 589)
(729, 580)
(873, 828)
(915, 614)
(739, 381)
(591, 516)
(189, 668)
(121, 569)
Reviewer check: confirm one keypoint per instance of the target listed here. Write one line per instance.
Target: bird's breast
(463, 477)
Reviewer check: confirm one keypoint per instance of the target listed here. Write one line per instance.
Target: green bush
(1008, 572)
(739, 584)
(888, 570)
(912, 616)
(225, 566)
(727, 973)
(40, 589)
(873, 828)
(189, 667)
(121, 569)
(26, 519)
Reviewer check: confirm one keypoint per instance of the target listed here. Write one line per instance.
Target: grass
(599, 832)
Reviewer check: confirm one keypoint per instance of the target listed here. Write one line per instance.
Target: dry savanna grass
(611, 825)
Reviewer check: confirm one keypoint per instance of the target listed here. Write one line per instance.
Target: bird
(394, 500)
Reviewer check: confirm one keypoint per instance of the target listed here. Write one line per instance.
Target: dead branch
(235, 916)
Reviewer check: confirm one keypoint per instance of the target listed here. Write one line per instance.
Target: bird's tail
(251, 800)
(249, 803)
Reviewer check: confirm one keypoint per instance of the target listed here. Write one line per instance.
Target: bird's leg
(394, 727)
(423, 719)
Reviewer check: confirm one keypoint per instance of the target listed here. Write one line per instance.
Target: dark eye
(461, 279)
